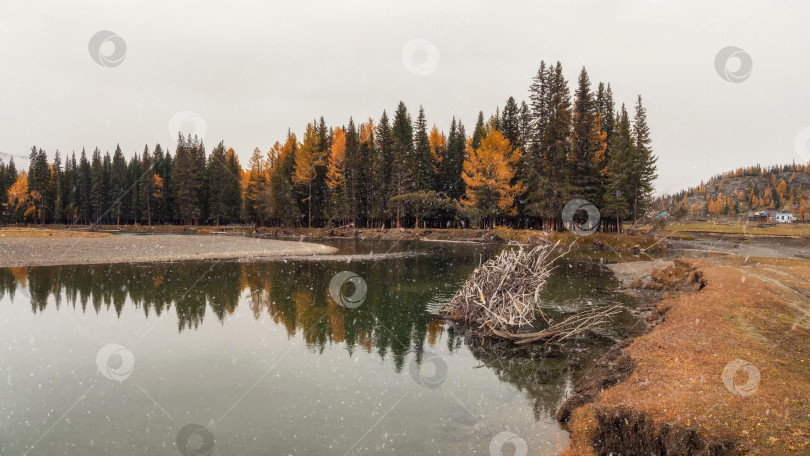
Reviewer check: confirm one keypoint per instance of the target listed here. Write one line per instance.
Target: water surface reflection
(261, 356)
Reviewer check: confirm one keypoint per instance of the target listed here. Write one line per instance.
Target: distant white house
(784, 217)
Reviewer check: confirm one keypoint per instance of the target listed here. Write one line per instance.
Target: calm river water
(250, 358)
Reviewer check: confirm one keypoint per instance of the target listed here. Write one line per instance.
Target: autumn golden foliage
(19, 198)
(306, 157)
(336, 170)
(367, 131)
(438, 146)
(489, 172)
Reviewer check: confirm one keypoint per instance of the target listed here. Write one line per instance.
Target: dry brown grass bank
(676, 400)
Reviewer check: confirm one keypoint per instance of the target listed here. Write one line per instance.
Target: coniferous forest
(517, 167)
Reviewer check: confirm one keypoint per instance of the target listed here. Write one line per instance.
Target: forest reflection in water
(391, 322)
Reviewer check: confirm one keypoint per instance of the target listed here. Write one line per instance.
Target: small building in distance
(784, 217)
(758, 216)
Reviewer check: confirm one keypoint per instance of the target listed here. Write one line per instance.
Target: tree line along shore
(517, 167)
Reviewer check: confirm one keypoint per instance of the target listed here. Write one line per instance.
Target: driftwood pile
(578, 323)
(502, 299)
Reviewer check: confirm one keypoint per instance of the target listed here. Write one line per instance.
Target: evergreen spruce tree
(606, 116)
(367, 167)
(618, 190)
(97, 186)
(134, 176)
(159, 185)
(478, 131)
(83, 188)
(644, 162)
(401, 148)
(588, 142)
(319, 182)
(200, 163)
(146, 186)
(352, 168)
(4, 186)
(106, 165)
(169, 213)
(118, 185)
(71, 178)
(525, 126)
(383, 175)
(509, 124)
(421, 161)
(307, 159)
(233, 193)
(606, 110)
(8, 175)
(39, 176)
(533, 169)
(450, 181)
(186, 180)
(552, 181)
(219, 179)
(539, 98)
(58, 188)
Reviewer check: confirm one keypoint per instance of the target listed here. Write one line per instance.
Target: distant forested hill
(785, 187)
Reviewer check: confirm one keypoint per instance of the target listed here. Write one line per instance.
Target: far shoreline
(52, 248)
(603, 246)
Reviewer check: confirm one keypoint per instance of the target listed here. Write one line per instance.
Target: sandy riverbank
(18, 251)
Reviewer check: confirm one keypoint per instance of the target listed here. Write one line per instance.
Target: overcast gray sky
(250, 70)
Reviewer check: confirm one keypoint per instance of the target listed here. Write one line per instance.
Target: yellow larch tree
(338, 206)
(367, 131)
(19, 198)
(438, 147)
(781, 189)
(254, 186)
(336, 169)
(488, 172)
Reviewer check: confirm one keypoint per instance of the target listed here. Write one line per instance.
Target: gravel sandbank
(32, 251)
